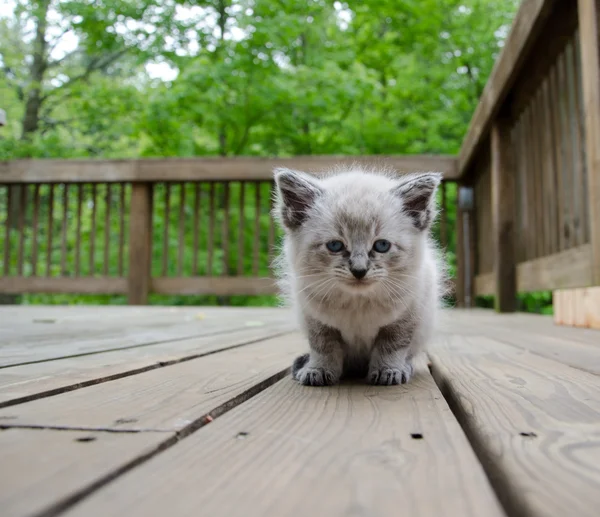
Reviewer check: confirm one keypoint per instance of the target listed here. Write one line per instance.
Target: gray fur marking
(371, 326)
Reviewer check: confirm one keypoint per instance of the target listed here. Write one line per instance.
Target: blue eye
(382, 246)
(335, 246)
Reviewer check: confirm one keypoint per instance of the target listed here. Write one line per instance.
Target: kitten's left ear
(417, 192)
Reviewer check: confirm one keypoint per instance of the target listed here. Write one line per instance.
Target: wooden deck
(190, 411)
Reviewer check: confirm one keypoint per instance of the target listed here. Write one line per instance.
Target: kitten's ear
(297, 192)
(417, 192)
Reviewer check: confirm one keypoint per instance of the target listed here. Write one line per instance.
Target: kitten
(361, 271)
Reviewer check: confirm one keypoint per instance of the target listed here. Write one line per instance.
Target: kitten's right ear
(297, 193)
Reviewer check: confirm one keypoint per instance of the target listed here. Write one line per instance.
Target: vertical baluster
(165, 257)
(106, 267)
(197, 192)
(50, 229)
(36, 215)
(181, 229)
(240, 265)
(78, 230)
(65, 214)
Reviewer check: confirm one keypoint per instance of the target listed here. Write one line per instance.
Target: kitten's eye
(382, 246)
(335, 246)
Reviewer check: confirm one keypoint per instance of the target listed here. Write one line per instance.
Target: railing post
(589, 38)
(140, 245)
(464, 247)
(503, 216)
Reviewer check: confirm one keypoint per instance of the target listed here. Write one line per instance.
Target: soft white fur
(327, 297)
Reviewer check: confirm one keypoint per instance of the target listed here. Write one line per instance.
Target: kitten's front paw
(311, 376)
(386, 376)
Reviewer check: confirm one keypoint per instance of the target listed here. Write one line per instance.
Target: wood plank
(526, 26)
(380, 450)
(220, 286)
(45, 334)
(122, 194)
(584, 310)
(92, 256)
(589, 28)
(206, 169)
(22, 383)
(181, 235)
(107, 221)
(163, 399)
(225, 229)
(575, 142)
(47, 466)
(525, 325)
(78, 230)
(256, 239)
(240, 243)
(485, 284)
(533, 422)
(7, 228)
(50, 230)
(211, 228)
(65, 226)
(35, 230)
(62, 285)
(167, 220)
(536, 334)
(195, 230)
(22, 209)
(503, 216)
(140, 244)
(569, 268)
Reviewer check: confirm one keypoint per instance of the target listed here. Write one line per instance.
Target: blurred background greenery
(156, 78)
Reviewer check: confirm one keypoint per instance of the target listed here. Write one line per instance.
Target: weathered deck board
(50, 335)
(534, 422)
(291, 450)
(569, 349)
(20, 383)
(165, 399)
(47, 466)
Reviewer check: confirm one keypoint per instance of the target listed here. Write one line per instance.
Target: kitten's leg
(323, 366)
(391, 356)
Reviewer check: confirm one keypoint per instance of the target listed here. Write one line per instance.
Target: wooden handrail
(204, 169)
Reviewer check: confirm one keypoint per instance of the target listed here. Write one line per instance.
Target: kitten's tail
(299, 363)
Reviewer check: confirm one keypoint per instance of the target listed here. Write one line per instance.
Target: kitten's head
(355, 231)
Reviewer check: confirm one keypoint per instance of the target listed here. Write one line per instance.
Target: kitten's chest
(359, 326)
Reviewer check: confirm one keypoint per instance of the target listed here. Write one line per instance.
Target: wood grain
(569, 268)
(35, 231)
(47, 466)
(164, 399)
(578, 307)
(503, 216)
(205, 169)
(532, 420)
(589, 29)
(140, 244)
(345, 450)
(31, 381)
(50, 229)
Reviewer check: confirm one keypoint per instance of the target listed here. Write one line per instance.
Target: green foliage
(239, 77)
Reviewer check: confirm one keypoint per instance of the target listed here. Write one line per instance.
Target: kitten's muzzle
(358, 273)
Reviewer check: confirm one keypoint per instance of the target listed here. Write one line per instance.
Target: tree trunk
(37, 71)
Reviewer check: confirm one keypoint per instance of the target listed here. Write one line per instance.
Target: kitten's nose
(358, 273)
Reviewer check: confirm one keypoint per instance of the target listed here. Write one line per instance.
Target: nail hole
(86, 439)
(528, 435)
(121, 421)
(416, 436)
(242, 435)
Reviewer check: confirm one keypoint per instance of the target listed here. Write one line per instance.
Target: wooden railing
(135, 227)
(531, 159)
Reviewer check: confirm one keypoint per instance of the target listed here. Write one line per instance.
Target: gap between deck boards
(128, 347)
(128, 373)
(64, 504)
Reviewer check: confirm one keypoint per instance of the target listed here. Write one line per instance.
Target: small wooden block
(577, 307)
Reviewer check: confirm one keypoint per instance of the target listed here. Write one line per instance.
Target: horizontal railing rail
(198, 226)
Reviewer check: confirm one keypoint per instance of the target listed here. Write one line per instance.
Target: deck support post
(140, 243)
(589, 40)
(465, 255)
(503, 216)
